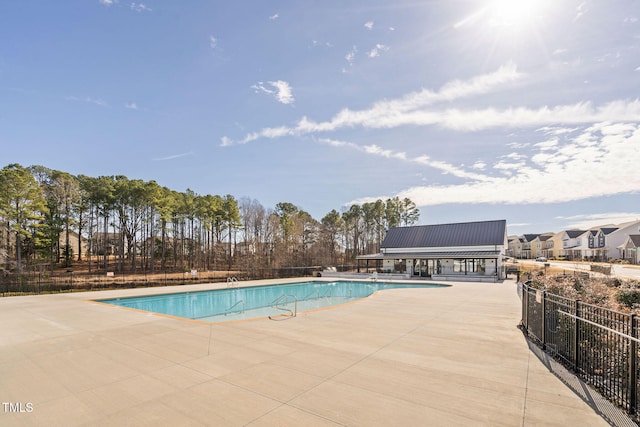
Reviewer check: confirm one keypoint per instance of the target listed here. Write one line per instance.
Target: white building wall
(618, 237)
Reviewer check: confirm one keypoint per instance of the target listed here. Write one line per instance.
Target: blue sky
(527, 111)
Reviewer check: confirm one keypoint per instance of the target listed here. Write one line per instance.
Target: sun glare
(510, 16)
(512, 13)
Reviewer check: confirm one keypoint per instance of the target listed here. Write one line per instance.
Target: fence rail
(70, 281)
(598, 344)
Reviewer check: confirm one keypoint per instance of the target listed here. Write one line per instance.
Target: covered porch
(453, 265)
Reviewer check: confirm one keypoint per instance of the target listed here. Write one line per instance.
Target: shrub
(628, 297)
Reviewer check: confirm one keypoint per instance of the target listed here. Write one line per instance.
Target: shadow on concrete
(612, 414)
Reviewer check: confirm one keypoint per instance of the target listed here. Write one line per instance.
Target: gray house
(462, 251)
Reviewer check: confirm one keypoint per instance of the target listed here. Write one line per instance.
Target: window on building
(459, 266)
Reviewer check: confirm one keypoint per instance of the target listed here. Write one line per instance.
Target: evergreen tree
(22, 204)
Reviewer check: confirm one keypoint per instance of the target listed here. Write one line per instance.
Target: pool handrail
(232, 282)
(282, 300)
(228, 311)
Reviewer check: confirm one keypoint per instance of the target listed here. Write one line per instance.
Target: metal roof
(480, 233)
(433, 255)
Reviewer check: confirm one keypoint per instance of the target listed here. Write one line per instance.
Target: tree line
(52, 219)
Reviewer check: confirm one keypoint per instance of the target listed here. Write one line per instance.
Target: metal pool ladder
(231, 310)
(232, 282)
(280, 303)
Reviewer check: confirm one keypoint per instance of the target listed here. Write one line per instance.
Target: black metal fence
(70, 281)
(599, 345)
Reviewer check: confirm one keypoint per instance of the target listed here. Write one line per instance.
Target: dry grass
(609, 292)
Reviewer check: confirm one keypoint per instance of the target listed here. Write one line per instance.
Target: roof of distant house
(574, 233)
(635, 239)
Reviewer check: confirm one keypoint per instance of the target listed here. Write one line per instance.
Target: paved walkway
(412, 357)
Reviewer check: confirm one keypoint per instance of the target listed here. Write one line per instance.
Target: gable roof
(574, 233)
(444, 235)
(608, 230)
(635, 239)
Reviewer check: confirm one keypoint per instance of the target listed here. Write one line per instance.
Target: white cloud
(601, 161)
(581, 10)
(479, 165)
(213, 42)
(517, 145)
(174, 156)
(408, 110)
(274, 17)
(108, 2)
(580, 113)
(131, 106)
(369, 25)
(98, 102)
(557, 130)
(316, 43)
(547, 145)
(351, 55)
(284, 94)
(279, 89)
(424, 160)
(585, 222)
(567, 164)
(375, 52)
(89, 100)
(140, 7)
(414, 110)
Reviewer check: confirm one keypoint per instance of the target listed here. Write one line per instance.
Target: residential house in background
(514, 246)
(520, 246)
(598, 244)
(74, 241)
(556, 250)
(526, 251)
(617, 238)
(542, 246)
(572, 244)
(106, 244)
(629, 249)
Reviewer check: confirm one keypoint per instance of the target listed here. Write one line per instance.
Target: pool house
(471, 251)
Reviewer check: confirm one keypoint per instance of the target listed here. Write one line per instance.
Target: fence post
(576, 338)
(543, 307)
(633, 378)
(525, 308)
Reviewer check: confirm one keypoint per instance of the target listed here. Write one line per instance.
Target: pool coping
(238, 286)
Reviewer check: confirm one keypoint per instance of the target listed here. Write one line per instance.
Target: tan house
(542, 246)
(74, 242)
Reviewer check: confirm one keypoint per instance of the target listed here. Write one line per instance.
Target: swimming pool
(274, 301)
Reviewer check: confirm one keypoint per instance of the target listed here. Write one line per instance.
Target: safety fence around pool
(599, 345)
(40, 282)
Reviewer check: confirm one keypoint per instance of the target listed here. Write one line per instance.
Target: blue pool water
(278, 301)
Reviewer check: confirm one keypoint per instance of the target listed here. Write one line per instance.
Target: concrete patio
(407, 357)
